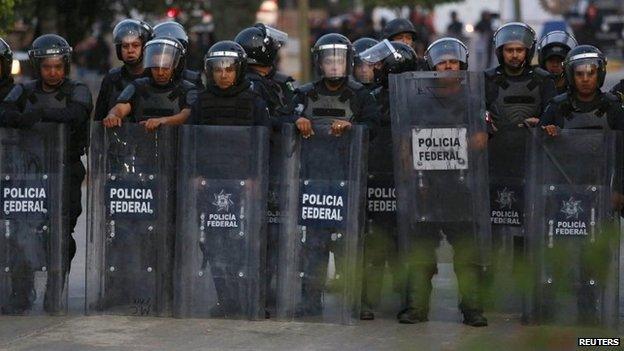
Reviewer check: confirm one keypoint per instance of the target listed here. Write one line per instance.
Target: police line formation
(242, 197)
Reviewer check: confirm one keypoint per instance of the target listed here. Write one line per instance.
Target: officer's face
(162, 75)
(586, 79)
(52, 70)
(448, 65)
(405, 38)
(364, 72)
(554, 65)
(514, 55)
(131, 49)
(224, 76)
(334, 66)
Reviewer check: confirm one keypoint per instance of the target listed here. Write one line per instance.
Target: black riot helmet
(556, 43)
(6, 60)
(585, 57)
(333, 57)
(395, 57)
(173, 30)
(226, 55)
(362, 45)
(261, 43)
(47, 46)
(515, 32)
(398, 26)
(447, 49)
(130, 29)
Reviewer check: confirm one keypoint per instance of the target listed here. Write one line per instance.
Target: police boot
(21, 297)
(586, 304)
(412, 315)
(474, 318)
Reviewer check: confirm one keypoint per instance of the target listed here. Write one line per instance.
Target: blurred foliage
(6, 14)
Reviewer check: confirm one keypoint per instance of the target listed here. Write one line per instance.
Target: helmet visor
(514, 34)
(378, 52)
(559, 38)
(585, 67)
(333, 60)
(276, 35)
(162, 53)
(446, 50)
(222, 70)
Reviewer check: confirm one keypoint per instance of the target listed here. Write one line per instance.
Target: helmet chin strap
(334, 82)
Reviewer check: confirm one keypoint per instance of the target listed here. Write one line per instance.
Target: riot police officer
(261, 44)
(351, 101)
(129, 37)
(6, 60)
(402, 29)
(336, 100)
(585, 105)
(551, 52)
(516, 93)
(228, 98)
(446, 54)
(53, 97)
(380, 241)
(159, 99)
(363, 71)
(176, 31)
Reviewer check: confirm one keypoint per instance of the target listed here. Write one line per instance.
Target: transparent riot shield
(322, 197)
(440, 161)
(574, 186)
(131, 211)
(507, 174)
(34, 262)
(274, 217)
(380, 278)
(221, 222)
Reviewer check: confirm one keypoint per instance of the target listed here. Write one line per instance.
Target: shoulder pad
(186, 85)
(126, 95)
(306, 88)
(561, 98)
(80, 94)
(191, 76)
(282, 78)
(377, 91)
(252, 75)
(491, 72)
(141, 81)
(15, 94)
(115, 73)
(541, 74)
(354, 85)
(611, 98)
(253, 90)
